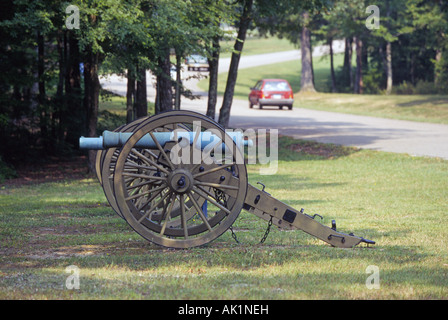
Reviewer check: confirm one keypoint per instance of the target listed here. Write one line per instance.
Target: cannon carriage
(180, 181)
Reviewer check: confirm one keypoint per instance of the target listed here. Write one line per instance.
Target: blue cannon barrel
(111, 139)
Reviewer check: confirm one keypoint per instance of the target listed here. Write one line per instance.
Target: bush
(6, 171)
(422, 87)
(372, 80)
(109, 121)
(403, 88)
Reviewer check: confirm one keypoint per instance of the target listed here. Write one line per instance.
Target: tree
(244, 22)
(213, 63)
(269, 16)
(99, 32)
(296, 21)
(432, 18)
(307, 78)
(393, 24)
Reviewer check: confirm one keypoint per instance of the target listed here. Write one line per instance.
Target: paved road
(414, 138)
(420, 139)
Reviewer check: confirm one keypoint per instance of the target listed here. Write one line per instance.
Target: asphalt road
(414, 138)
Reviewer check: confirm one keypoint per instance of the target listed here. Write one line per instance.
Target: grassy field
(422, 108)
(50, 223)
(257, 45)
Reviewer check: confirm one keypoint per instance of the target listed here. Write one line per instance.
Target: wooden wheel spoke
(149, 161)
(216, 185)
(138, 166)
(199, 210)
(168, 214)
(139, 185)
(153, 207)
(161, 150)
(212, 200)
(213, 170)
(150, 199)
(142, 176)
(183, 215)
(141, 194)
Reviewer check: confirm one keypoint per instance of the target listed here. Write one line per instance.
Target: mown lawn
(422, 108)
(257, 45)
(397, 200)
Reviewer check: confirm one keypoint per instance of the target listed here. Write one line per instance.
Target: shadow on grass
(435, 100)
(221, 271)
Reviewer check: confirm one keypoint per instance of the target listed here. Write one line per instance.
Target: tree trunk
(307, 79)
(141, 97)
(437, 59)
(358, 85)
(350, 68)
(61, 101)
(74, 119)
(347, 67)
(130, 96)
(245, 19)
(91, 99)
(333, 78)
(213, 63)
(389, 67)
(412, 71)
(157, 102)
(178, 82)
(164, 87)
(41, 98)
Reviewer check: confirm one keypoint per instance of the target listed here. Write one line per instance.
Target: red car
(271, 92)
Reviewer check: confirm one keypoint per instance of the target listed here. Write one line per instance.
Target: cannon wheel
(159, 184)
(106, 165)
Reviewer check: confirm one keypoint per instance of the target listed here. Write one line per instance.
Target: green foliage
(6, 171)
(109, 121)
(422, 87)
(38, 107)
(372, 80)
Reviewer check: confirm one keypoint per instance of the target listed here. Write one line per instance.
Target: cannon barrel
(111, 139)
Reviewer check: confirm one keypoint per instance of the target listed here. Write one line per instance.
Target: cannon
(180, 181)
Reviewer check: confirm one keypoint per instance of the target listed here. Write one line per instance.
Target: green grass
(257, 45)
(117, 105)
(397, 200)
(422, 108)
(112, 113)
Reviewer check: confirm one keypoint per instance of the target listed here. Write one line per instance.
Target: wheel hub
(180, 181)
